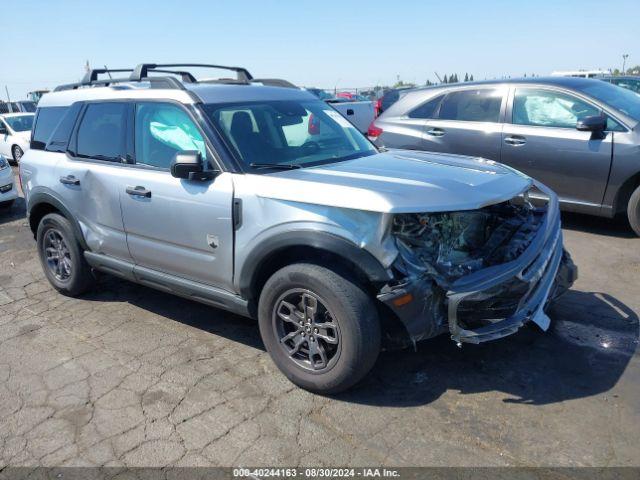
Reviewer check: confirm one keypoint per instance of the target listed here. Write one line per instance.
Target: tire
(17, 153)
(633, 211)
(343, 311)
(72, 276)
(6, 205)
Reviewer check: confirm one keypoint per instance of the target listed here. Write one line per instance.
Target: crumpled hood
(397, 181)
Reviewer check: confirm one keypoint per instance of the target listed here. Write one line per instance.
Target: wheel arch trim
(313, 239)
(38, 199)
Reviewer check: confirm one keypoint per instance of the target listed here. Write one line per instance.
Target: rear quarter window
(59, 139)
(47, 120)
(428, 109)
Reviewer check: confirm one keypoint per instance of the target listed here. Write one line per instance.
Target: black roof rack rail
(274, 82)
(155, 82)
(184, 75)
(92, 75)
(142, 70)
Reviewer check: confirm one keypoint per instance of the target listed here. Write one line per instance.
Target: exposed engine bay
(440, 253)
(446, 246)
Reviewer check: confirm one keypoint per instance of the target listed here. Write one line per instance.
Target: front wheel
(17, 153)
(320, 328)
(633, 211)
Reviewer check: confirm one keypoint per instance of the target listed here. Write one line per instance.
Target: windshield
(619, 98)
(20, 123)
(287, 133)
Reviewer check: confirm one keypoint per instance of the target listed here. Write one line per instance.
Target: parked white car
(8, 190)
(15, 134)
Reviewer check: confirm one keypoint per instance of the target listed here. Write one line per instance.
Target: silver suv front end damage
(479, 274)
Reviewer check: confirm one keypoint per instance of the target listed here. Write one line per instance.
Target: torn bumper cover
(492, 302)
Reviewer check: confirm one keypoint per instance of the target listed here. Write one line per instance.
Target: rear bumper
(496, 301)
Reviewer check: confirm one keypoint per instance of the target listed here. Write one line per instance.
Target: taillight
(314, 125)
(373, 132)
(377, 107)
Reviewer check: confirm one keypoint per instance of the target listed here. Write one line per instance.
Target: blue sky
(316, 43)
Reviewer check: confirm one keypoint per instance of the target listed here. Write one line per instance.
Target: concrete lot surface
(131, 376)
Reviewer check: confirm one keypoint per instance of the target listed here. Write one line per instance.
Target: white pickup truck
(359, 113)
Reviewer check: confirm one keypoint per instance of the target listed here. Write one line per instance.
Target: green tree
(471, 77)
(444, 78)
(466, 77)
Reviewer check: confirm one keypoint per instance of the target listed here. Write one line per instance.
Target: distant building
(581, 73)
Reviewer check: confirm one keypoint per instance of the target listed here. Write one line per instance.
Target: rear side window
(482, 105)
(427, 109)
(47, 120)
(390, 98)
(101, 134)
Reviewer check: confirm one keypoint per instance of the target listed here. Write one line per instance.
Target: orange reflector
(403, 300)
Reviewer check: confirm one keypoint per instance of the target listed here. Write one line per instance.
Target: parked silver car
(578, 136)
(267, 202)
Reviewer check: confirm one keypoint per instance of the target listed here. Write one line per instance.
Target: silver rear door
(468, 123)
(90, 176)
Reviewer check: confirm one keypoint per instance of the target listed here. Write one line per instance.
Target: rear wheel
(17, 153)
(61, 256)
(633, 211)
(321, 329)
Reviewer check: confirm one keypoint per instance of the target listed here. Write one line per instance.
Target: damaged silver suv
(263, 200)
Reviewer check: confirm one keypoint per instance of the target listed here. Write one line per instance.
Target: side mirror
(188, 164)
(3, 131)
(592, 123)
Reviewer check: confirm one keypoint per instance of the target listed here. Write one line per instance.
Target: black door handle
(515, 140)
(69, 180)
(139, 191)
(349, 111)
(436, 132)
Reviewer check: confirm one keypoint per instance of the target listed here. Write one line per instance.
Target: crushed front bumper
(496, 301)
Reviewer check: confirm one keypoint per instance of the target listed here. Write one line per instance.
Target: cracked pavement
(128, 376)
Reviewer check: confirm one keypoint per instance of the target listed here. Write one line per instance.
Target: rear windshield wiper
(279, 166)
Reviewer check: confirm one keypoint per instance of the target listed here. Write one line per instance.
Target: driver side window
(161, 131)
(546, 108)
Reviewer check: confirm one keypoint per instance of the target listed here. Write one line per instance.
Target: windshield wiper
(278, 166)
